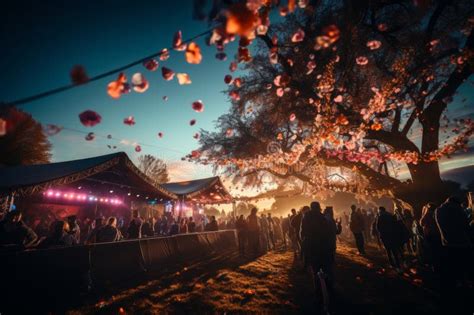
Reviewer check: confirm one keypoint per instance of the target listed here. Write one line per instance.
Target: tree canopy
(154, 168)
(359, 85)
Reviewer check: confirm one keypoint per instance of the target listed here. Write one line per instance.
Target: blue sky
(46, 40)
(41, 41)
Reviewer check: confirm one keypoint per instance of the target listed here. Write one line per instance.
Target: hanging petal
(167, 74)
(151, 64)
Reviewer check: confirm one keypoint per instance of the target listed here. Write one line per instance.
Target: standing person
(212, 225)
(253, 232)
(147, 228)
(408, 220)
(292, 232)
(456, 246)
(135, 227)
(285, 230)
(59, 236)
(174, 228)
(109, 233)
(318, 243)
(74, 228)
(92, 237)
(387, 227)
(191, 225)
(431, 236)
(357, 227)
(183, 226)
(264, 246)
(271, 231)
(365, 222)
(296, 225)
(241, 226)
(13, 231)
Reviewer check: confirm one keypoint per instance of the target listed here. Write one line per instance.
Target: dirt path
(273, 283)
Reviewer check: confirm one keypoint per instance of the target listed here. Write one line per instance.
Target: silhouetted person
(147, 228)
(253, 228)
(296, 226)
(357, 227)
(456, 248)
(13, 231)
(212, 225)
(388, 231)
(59, 236)
(191, 225)
(174, 228)
(92, 237)
(271, 231)
(109, 233)
(318, 237)
(241, 226)
(135, 227)
(431, 236)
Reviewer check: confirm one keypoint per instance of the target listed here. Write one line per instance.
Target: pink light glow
(80, 197)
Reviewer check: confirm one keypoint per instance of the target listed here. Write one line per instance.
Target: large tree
(22, 140)
(353, 84)
(154, 168)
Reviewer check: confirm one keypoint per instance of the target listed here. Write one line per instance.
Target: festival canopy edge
(112, 170)
(206, 190)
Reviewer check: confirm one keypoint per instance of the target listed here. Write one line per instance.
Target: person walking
(388, 231)
(357, 227)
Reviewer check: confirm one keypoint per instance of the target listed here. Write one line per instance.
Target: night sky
(41, 41)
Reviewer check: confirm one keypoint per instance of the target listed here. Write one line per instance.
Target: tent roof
(115, 169)
(205, 190)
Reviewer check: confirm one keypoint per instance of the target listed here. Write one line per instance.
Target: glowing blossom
(90, 118)
(116, 88)
(374, 44)
(193, 53)
(183, 78)
(362, 60)
(198, 106)
(233, 66)
(240, 20)
(3, 127)
(234, 95)
(338, 99)
(229, 132)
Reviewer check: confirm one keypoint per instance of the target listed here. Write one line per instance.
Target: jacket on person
(16, 233)
(388, 230)
(253, 224)
(356, 222)
(108, 234)
(453, 224)
(135, 228)
(318, 237)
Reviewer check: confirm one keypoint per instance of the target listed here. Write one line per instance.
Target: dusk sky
(42, 43)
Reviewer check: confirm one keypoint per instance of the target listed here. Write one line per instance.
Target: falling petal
(234, 95)
(338, 99)
(229, 132)
(192, 122)
(183, 78)
(160, 135)
(165, 98)
(151, 64)
(130, 120)
(280, 92)
(193, 53)
(167, 74)
(178, 41)
(196, 135)
(233, 66)
(90, 136)
(292, 117)
(198, 106)
(90, 118)
(164, 54)
(78, 75)
(138, 148)
(140, 84)
(109, 136)
(115, 88)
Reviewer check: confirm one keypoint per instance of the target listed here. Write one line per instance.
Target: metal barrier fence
(70, 270)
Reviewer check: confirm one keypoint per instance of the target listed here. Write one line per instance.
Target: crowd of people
(15, 234)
